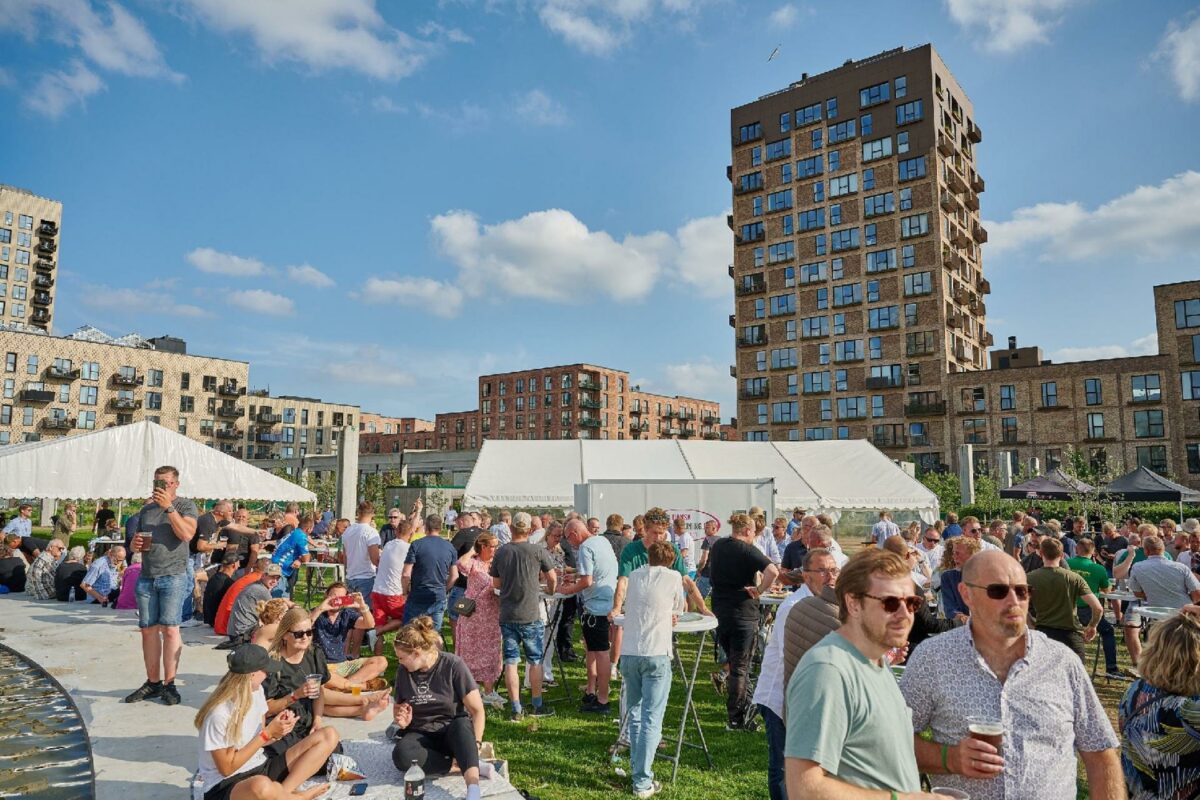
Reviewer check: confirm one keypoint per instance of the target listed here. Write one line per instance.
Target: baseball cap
(252, 658)
(522, 521)
(231, 558)
(273, 571)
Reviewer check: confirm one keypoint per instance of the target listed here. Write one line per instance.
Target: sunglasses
(891, 603)
(833, 571)
(933, 540)
(301, 634)
(999, 591)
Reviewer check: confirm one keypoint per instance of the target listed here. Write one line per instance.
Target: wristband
(945, 765)
(894, 795)
(263, 735)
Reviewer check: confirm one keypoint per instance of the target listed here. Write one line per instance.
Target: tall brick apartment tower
(857, 269)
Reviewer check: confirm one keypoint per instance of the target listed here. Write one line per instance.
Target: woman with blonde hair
(438, 713)
(477, 635)
(235, 756)
(1160, 713)
(270, 612)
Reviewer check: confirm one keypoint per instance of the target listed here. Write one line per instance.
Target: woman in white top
(233, 764)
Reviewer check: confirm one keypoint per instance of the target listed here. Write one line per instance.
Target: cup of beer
(312, 686)
(987, 729)
(142, 541)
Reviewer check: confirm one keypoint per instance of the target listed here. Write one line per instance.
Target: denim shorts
(363, 586)
(160, 600)
(518, 636)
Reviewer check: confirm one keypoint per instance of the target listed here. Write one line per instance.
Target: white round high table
(554, 610)
(1158, 613)
(322, 570)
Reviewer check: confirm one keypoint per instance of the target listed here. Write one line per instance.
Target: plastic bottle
(414, 781)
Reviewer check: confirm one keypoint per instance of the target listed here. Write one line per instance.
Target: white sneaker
(493, 698)
(191, 623)
(642, 794)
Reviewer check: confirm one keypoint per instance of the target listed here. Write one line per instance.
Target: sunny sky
(374, 202)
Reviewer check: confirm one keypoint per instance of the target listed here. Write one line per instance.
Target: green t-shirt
(634, 555)
(1055, 592)
(1095, 575)
(848, 715)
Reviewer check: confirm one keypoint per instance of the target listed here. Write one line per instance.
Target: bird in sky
(774, 53)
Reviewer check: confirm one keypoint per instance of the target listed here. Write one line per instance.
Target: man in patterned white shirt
(996, 667)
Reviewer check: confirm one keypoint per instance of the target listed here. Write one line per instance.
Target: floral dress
(477, 637)
(1160, 743)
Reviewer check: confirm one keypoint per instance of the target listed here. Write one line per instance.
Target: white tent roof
(835, 476)
(119, 463)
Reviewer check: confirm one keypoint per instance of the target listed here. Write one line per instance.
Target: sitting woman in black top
(12, 570)
(438, 709)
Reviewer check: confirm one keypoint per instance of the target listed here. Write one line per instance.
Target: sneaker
(735, 725)
(568, 656)
(587, 699)
(494, 699)
(144, 692)
(596, 708)
(654, 788)
(550, 683)
(191, 623)
(541, 711)
(614, 674)
(516, 715)
(170, 695)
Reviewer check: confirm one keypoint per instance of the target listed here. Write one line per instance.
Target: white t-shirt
(652, 595)
(213, 737)
(355, 541)
(769, 689)
(391, 568)
(684, 542)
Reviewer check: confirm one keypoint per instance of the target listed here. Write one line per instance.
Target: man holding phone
(167, 524)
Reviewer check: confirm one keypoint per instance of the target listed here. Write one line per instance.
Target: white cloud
(784, 17)
(1180, 48)
(703, 256)
(598, 27)
(463, 119)
(215, 262)
(535, 107)
(58, 91)
(320, 34)
(700, 379)
(1149, 223)
(386, 105)
(1142, 346)
(261, 301)
(365, 365)
(310, 276)
(141, 301)
(434, 30)
(1006, 26)
(436, 297)
(580, 31)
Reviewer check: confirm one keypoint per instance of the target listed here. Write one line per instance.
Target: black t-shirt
(29, 544)
(240, 543)
(436, 695)
(67, 578)
(706, 547)
(206, 528)
(214, 593)
(386, 534)
(102, 518)
(733, 565)
(1115, 545)
(290, 678)
(793, 555)
(12, 573)
(464, 542)
(617, 540)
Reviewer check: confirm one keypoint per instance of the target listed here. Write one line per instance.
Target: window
(901, 86)
(845, 239)
(783, 304)
(1153, 457)
(874, 95)
(756, 206)
(1008, 430)
(902, 142)
(1191, 385)
(918, 283)
(759, 260)
(865, 125)
(787, 228)
(887, 372)
(1187, 313)
(784, 251)
(90, 370)
(869, 235)
(785, 122)
(877, 149)
(809, 220)
(818, 192)
(975, 431)
(822, 298)
(31, 365)
(847, 294)
(1008, 397)
(785, 173)
(839, 324)
(841, 132)
(752, 232)
(835, 214)
(10, 362)
(1193, 459)
(154, 377)
(154, 400)
(883, 318)
(808, 167)
(185, 380)
(831, 109)
(783, 358)
(1049, 394)
(846, 184)
(869, 178)
(1092, 392)
(87, 395)
(789, 330)
(916, 225)
(1196, 348)
(910, 314)
(1095, 425)
(755, 156)
(872, 291)
(907, 113)
(919, 344)
(835, 161)
(812, 272)
(818, 136)
(852, 408)
(760, 308)
(779, 149)
(848, 350)
(911, 168)
(819, 245)
(1146, 388)
(974, 399)
(835, 268)
(1148, 424)
(875, 348)
(785, 412)
(881, 260)
(815, 382)
(876, 405)
(750, 182)
(814, 326)
(877, 204)
(750, 132)
(761, 414)
(808, 115)
(818, 434)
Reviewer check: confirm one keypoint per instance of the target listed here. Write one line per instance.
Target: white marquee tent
(825, 477)
(119, 463)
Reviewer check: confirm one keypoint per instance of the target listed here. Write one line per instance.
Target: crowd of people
(954, 650)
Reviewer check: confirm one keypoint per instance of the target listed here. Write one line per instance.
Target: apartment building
(858, 279)
(285, 426)
(586, 401)
(29, 242)
(370, 422)
(1122, 412)
(56, 386)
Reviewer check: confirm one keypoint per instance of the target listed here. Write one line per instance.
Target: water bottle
(414, 781)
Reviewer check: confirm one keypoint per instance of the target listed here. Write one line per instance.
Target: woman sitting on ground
(287, 688)
(235, 760)
(1160, 713)
(438, 711)
(127, 599)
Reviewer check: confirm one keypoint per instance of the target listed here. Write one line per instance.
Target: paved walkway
(144, 750)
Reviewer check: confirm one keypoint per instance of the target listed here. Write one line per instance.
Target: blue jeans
(451, 599)
(363, 586)
(776, 734)
(1108, 638)
(189, 599)
(434, 609)
(647, 687)
(160, 600)
(704, 586)
(518, 636)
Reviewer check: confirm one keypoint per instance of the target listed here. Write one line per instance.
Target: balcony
(733, 320)
(979, 233)
(751, 287)
(47, 229)
(43, 281)
(125, 403)
(752, 341)
(975, 133)
(41, 298)
(687, 433)
(955, 181)
(729, 221)
(57, 423)
(889, 440)
(635, 412)
(710, 419)
(45, 266)
(729, 172)
(945, 144)
(60, 374)
(45, 247)
(228, 433)
(36, 395)
(754, 394)
(268, 438)
(586, 403)
(124, 379)
(756, 236)
(712, 435)
(232, 412)
(668, 414)
(267, 418)
(884, 383)
(960, 237)
(925, 409)
(731, 270)
(984, 286)
(949, 202)
(977, 183)
(231, 390)
(740, 188)
(40, 315)
(672, 431)
(961, 295)
(636, 428)
(589, 422)
(733, 370)
(971, 200)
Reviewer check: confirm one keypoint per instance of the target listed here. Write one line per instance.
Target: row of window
(565, 381)
(1143, 389)
(1146, 425)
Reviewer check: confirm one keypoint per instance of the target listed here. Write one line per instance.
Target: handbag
(463, 607)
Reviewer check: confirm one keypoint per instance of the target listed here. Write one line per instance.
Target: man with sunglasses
(931, 547)
(847, 725)
(996, 667)
(1055, 592)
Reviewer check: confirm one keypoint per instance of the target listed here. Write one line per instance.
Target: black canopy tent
(1054, 485)
(1145, 486)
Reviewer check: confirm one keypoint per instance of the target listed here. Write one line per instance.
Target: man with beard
(996, 667)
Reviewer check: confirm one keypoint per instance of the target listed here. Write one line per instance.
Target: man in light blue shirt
(595, 582)
(21, 524)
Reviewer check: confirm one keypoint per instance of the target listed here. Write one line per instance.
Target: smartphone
(345, 601)
(358, 789)
(159, 483)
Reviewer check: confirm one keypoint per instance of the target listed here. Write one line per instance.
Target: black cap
(251, 658)
(231, 558)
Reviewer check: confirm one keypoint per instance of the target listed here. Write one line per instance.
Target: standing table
(1113, 595)
(1158, 613)
(554, 611)
(98, 542)
(322, 570)
(688, 624)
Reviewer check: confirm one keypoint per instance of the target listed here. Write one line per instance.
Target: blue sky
(374, 202)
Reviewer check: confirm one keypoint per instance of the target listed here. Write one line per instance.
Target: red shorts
(387, 606)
